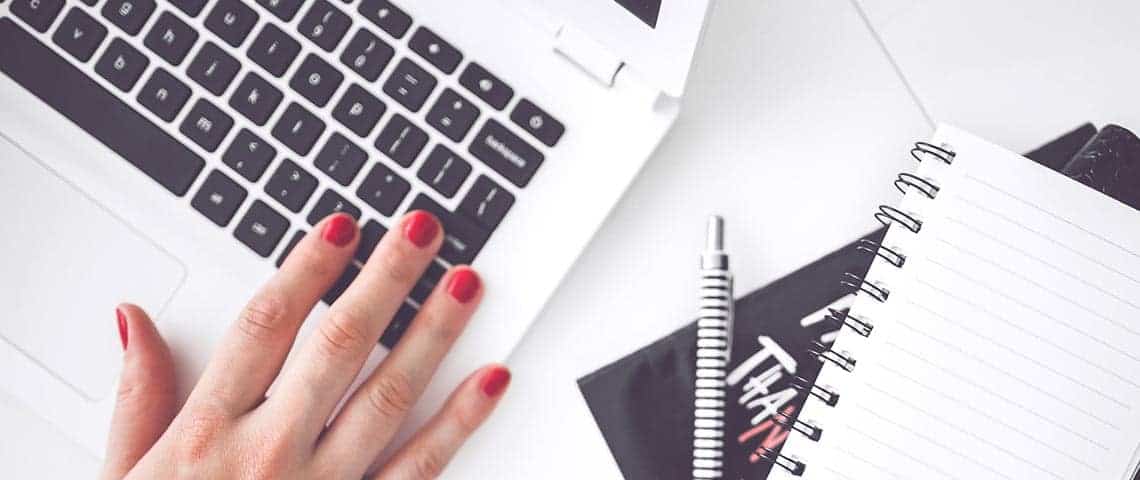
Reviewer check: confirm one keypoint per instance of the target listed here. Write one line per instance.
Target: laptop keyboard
(402, 133)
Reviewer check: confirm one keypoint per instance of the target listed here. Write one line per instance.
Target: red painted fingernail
(463, 286)
(495, 381)
(122, 327)
(339, 230)
(421, 228)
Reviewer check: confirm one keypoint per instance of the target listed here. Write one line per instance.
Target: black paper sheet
(643, 402)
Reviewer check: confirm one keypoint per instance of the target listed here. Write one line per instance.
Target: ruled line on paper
(1048, 238)
(840, 475)
(864, 461)
(983, 388)
(1048, 341)
(1002, 191)
(1078, 278)
(964, 354)
(904, 453)
(1052, 292)
(1037, 362)
(981, 411)
(975, 436)
(1037, 311)
(928, 439)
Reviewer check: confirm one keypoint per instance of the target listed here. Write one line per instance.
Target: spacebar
(79, 98)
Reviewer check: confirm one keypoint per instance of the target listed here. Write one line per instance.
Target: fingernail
(339, 230)
(421, 228)
(463, 286)
(495, 381)
(122, 327)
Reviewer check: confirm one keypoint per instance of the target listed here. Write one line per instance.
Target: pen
(714, 344)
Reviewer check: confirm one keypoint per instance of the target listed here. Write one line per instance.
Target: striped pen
(714, 343)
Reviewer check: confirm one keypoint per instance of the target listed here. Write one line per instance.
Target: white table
(796, 121)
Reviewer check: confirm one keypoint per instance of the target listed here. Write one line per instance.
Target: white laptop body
(83, 229)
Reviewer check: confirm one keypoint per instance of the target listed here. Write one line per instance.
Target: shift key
(102, 115)
(505, 152)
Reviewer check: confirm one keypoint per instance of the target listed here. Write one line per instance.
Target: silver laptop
(170, 152)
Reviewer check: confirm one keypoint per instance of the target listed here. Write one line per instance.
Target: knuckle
(341, 333)
(468, 419)
(198, 433)
(429, 463)
(390, 395)
(263, 318)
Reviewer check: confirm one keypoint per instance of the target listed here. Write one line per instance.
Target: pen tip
(714, 240)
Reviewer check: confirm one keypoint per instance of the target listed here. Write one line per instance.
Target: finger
(428, 452)
(373, 413)
(330, 359)
(147, 396)
(252, 352)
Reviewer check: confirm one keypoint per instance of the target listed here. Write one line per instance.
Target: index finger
(253, 351)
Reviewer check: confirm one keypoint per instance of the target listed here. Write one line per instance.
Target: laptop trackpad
(66, 263)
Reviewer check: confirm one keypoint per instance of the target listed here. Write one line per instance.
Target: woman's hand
(229, 428)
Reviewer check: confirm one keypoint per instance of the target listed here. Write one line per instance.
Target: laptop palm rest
(66, 263)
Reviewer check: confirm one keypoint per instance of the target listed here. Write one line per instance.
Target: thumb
(147, 395)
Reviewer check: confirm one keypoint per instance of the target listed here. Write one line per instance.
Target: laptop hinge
(587, 54)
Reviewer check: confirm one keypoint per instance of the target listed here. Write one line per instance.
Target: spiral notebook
(996, 335)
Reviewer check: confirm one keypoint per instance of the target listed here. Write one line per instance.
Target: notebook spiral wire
(888, 216)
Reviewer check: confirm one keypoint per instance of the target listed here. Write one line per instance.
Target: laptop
(170, 153)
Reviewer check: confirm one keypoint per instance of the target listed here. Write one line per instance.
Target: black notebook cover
(643, 402)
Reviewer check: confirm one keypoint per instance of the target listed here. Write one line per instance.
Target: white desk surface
(799, 113)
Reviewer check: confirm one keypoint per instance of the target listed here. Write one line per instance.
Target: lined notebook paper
(1008, 346)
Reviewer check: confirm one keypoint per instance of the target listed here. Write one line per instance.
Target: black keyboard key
(383, 189)
(359, 110)
(293, 241)
(283, 9)
(249, 155)
(341, 284)
(218, 198)
(256, 98)
(401, 140)
(444, 171)
(367, 55)
(298, 129)
(121, 64)
(274, 50)
(423, 288)
(453, 115)
(505, 152)
(435, 50)
(129, 15)
(537, 122)
(79, 34)
(213, 68)
(399, 324)
(101, 114)
(189, 7)
(38, 14)
(88, 2)
(486, 202)
(232, 20)
(386, 16)
(324, 24)
(329, 203)
(164, 95)
(370, 235)
(486, 86)
(206, 125)
(463, 238)
(410, 85)
(316, 80)
(171, 38)
(291, 185)
(261, 228)
(340, 159)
